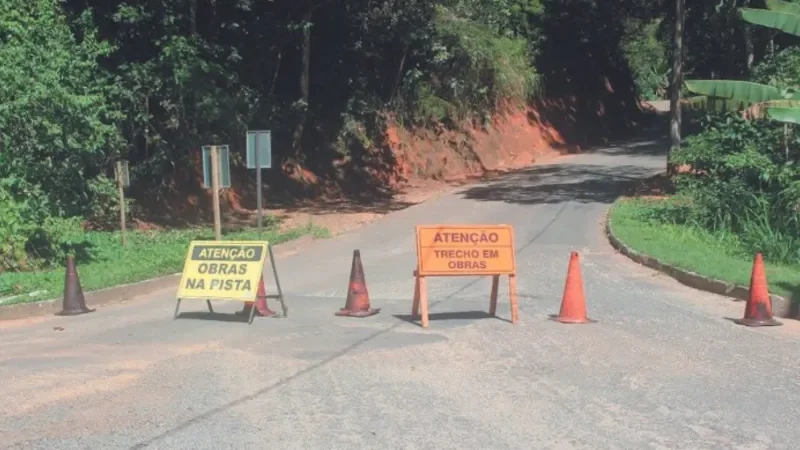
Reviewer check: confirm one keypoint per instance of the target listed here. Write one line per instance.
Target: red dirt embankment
(514, 138)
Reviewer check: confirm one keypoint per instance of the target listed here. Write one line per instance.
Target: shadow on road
(217, 317)
(644, 148)
(560, 183)
(582, 183)
(454, 315)
(794, 298)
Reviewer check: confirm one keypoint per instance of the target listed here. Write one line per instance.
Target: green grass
(149, 254)
(718, 256)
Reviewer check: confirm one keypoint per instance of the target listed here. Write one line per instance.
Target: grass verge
(104, 262)
(716, 256)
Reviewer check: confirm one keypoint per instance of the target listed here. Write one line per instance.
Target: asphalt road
(661, 369)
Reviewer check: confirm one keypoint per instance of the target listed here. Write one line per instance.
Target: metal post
(215, 191)
(259, 188)
(121, 192)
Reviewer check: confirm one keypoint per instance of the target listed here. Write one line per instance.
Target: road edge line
(782, 307)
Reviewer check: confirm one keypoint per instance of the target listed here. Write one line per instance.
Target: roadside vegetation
(736, 190)
(103, 261)
(719, 255)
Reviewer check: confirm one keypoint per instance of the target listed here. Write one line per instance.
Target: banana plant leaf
(781, 6)
(745, 92)
(784, 115)
(777, 20)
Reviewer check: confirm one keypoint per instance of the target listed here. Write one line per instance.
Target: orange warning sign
(465, 250)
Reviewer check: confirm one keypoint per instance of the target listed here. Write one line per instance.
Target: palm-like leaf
(735, 91)
(781, 6)
(778, 20)
(784, 115)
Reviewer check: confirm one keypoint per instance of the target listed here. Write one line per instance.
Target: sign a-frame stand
(227, 270)
(465, 250)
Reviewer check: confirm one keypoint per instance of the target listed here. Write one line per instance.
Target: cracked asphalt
(663, 367)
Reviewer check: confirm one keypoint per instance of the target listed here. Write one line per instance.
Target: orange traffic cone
(573, 304)
(758, 312)
(357, 304)
(261, 302)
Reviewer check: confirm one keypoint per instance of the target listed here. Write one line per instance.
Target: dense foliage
(742, 179)
(83, 83)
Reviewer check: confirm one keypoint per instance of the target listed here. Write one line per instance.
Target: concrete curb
(125, 292)
(781, 306)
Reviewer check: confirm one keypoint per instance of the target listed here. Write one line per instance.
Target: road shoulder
(782, 307)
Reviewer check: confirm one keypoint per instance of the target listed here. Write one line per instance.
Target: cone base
(74, 312)
(758, 322)
(571, 320)
(365, 313)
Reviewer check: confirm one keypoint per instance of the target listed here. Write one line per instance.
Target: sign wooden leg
(210, 309)
(177, 307)
(493, 302)
(512, 296)
(415, 307)
(423, 300)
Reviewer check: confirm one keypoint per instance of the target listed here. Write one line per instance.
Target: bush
(14, 232)
(472, 68)
(741, 179)
(55, 239)
(780, 70)
(648, 58)
(30, 239)
(103, 210)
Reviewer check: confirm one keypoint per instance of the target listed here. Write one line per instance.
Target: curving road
(662, 368)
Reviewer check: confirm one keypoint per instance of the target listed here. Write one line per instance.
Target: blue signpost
(259, 156)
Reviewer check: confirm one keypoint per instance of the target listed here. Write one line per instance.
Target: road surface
(661, 369)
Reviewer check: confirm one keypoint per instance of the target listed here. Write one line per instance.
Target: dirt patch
(655, 187)
(658, 186)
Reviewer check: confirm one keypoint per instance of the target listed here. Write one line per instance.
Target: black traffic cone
(357, 303)
(74, 301)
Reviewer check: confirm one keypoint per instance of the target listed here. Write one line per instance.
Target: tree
(57, 121)
(677, 82)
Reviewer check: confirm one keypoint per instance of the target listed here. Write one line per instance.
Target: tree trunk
(399, 74)
(304, 82)
(677, 83)
(190, 106)
(193, 17)
(748, 43)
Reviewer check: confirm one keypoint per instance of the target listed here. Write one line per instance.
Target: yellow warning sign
(219, 270)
